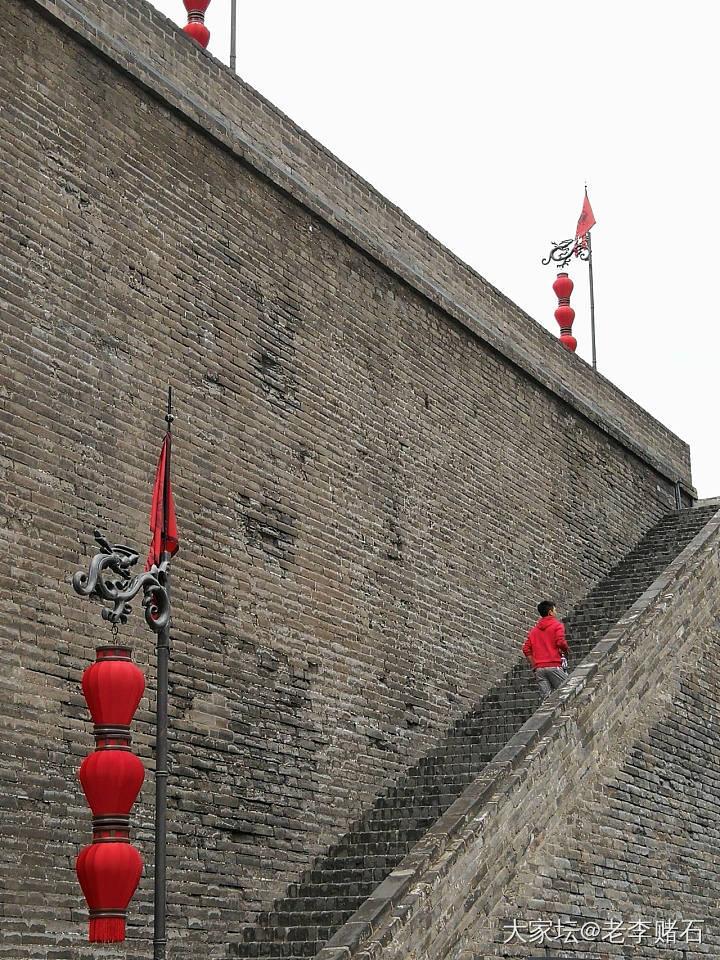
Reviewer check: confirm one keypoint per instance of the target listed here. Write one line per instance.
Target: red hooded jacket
(545, 642)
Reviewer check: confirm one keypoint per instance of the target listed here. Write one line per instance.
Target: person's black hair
(544, 607)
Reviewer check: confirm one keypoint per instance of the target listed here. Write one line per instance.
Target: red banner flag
(163, 525)
(586, 221)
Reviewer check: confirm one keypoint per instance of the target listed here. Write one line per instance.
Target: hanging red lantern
(565, 315)
(109, 869)
(563, 286)
(196, 21)
(113, 686)
(111, 780)
(109, 873)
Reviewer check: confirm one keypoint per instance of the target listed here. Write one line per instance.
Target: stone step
(298, 938)
(394, 817)
(312, 904)
(313, 919)
(362, 869)
(443, 797)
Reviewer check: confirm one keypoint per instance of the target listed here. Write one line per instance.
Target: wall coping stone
(401, 894)
(667, 454)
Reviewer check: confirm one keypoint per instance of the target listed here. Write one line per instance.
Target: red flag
(586, 221)
(163, 525)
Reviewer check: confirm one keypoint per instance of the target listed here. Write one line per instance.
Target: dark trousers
(549, 679)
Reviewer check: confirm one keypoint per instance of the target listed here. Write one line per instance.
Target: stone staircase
(345, 876)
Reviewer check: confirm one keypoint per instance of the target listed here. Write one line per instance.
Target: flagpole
(562, 253)
(592, 299)
(161, 730)
(233, 31)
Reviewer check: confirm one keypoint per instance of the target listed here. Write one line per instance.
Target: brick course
(371, 493)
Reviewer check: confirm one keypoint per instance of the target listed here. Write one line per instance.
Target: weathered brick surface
(640, 841)
(370, 496)
(642, 845)
(604, 806)
(326, 902)
(154, 51)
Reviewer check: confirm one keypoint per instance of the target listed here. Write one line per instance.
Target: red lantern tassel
(107, 929)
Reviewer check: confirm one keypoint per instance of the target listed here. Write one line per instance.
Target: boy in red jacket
(544, 649)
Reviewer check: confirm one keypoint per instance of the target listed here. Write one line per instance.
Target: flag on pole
(585, 223)
(163, 525)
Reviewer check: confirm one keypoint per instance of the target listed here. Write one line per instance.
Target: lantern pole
(161, 731)
(561, 254)
(111, 581)
(161, 775)
(233, 33)
(117, 561)
(592, 300)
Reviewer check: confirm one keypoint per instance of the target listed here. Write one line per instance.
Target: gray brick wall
(641, 846)
(153, 50)
(605, 806)
(371, 494)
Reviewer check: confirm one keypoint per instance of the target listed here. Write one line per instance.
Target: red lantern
(111, 779)
(113, 686)
(563, 286)
(109, 869)
(109, 873)
(196, 21)
(565, 315)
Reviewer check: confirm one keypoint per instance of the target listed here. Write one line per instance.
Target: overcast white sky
(483, 121)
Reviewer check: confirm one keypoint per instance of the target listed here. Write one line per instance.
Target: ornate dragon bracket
(562, 253)
(119, 590)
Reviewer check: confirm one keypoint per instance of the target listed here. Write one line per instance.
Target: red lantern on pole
(196, 21)
(109, 869)
(111, 779)
(565, 315)
(113, 686)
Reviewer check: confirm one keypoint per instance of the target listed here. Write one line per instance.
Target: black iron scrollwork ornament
(123, 587)
(562, 253)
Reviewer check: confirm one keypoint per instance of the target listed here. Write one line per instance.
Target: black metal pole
(161, 775)
(592, 302)
(161, 734)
